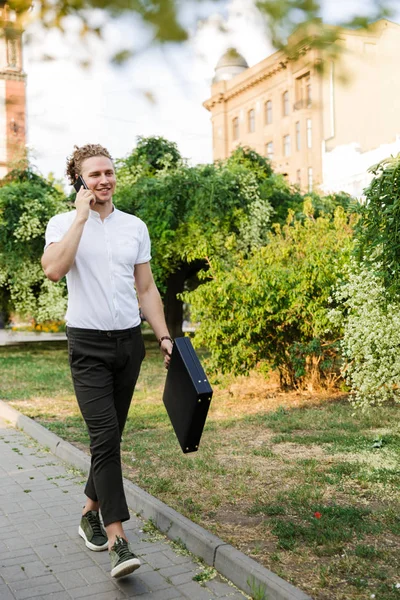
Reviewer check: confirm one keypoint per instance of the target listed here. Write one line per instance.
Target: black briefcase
(187, 394)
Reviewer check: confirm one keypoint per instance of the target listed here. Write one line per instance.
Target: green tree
(368, 303)
(169, 23)
(270, 309)
(27, 202)
(152, 154)
(193, 214)
(378, 230)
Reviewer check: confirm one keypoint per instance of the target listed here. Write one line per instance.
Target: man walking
(105, 255)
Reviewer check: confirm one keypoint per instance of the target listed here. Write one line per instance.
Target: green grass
(36, 369)
(258, 480)
(336, 525)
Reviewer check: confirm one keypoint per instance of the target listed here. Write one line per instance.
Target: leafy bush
(371, 340)
(270, 310)
(378, 230)
(27, 202)
(368, 304)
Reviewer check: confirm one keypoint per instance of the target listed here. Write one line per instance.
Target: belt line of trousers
(104, 368)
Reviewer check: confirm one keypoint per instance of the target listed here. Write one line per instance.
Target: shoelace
(95, 523)
(122, 549)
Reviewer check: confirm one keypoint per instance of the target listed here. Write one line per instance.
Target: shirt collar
(95, 215)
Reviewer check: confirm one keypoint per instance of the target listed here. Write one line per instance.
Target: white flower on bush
(371, 341)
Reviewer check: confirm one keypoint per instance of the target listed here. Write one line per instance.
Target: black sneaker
(93, 532)
(123, 561)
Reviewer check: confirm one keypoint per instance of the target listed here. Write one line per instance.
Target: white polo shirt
(101, 293)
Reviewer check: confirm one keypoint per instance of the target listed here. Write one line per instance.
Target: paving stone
(194, 591)
(132, 586)
(12, 574)
(148, 548)
(158, 560)
(181, 559)
(28, 528)
(34, 569)
(154, 580)
(97, 589)
(220, 588)
(71, 580)
(233, 596)
(29, 515)
(15, 543)
(115, 595)
(56, 596)
(36, 581)
(182, 578)
(68, 546)
(178, 570)
(37, 591)
(22, 556)
(11, 508)
(101, 558)
(4, 522)
(42, 556)
(9, 489)
(47, 551)
(171, 594)
(68, 566)
(94, 574)
(5, 593)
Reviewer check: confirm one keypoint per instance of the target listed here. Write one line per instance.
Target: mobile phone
(80, 182)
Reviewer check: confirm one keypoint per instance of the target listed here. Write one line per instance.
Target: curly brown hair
(74, 162)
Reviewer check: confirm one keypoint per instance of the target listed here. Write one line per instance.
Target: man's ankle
(88, 507)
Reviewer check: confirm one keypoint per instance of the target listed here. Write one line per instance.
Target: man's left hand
(166, 349)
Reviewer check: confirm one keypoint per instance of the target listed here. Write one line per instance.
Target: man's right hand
(83, 201)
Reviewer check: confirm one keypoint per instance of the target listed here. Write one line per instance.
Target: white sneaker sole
(125, 568)
(89, 544)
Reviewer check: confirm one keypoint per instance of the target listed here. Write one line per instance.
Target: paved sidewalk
(42, 556)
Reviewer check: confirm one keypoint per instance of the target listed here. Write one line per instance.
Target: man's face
(99, 175)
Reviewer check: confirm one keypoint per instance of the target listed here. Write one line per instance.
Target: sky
(159, 91)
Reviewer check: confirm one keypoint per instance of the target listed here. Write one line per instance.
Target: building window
(308, 94)
(285, 104)
(286, 145)
(310, 179)
(12, 53)
(252, 120)
(309, 133)
(302, 90)
(268, 112)
(235, 128)
(269, 150)
(297, 135)
(298, 177)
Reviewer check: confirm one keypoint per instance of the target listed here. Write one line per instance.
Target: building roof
(230, 64)
(232, 58)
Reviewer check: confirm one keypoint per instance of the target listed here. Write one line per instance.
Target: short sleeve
(54, 231)
(144, 254)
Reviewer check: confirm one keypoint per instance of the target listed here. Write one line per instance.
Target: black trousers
(105, 366)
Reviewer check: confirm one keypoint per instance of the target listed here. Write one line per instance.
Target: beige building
(12, 92)
(321, 130)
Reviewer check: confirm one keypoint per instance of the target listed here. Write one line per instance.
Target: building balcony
(300, 104)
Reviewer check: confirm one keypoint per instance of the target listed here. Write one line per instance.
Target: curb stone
(238, 568)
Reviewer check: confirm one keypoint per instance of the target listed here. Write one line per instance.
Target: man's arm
(152, 307)
(59, 257)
